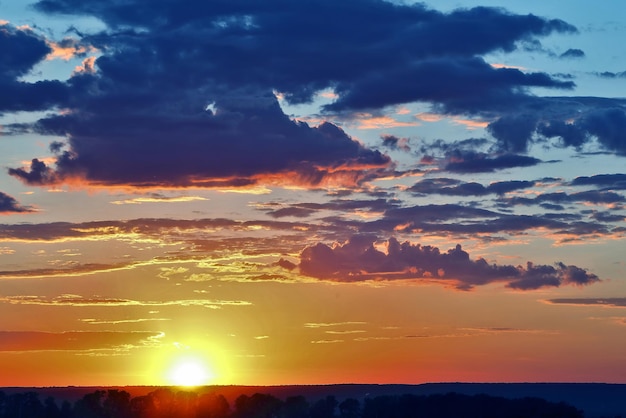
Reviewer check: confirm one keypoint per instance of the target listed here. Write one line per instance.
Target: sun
(189, 371)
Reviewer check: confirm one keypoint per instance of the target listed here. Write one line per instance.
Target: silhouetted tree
(116, 404)
(350, 408)
(186, 404)
(211, 405)
(257, 406)
(67, 410)
(295, 407)
(324, 408)
(142, 407)
(90, 405)
(23, 405)
(163, 403)
(51, 409)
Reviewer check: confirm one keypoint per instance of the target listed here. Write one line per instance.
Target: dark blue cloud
(573, 53)
(9, 205)
(474, 162)
(144, 107)
(394, 142)
(610, 74)
(451, 187)
(595, 197)
(21, 50)
(605, 181)
(246, 138)
(574, 121)
(459, 84)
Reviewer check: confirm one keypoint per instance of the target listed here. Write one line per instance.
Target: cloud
(459, 84)
(610, 302)
(72, 270)
(595, 197)
(474, 155)
(9, 205)
(118, 146)
(459, 219)
(152, 228)
(452, 187)
(73, 340)
(359, 260)
(352, 206)
(93, 321)
(22, 49)
(573, 122)
(158, 199)
(297, 212)
(332, 324)
(474, 162)
(394, 142)
(77, 300)
(573, 53)
(606, 181)
(610, 74)
(131, 116)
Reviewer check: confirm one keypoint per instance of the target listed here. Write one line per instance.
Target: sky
(312, 192)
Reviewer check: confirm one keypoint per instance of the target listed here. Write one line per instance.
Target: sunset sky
(311, 192)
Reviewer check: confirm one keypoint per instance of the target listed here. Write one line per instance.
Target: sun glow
(189, 371)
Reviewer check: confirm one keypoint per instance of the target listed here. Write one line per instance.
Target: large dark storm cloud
(182, 92)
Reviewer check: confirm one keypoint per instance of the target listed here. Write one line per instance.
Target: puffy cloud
(358, 259)
(142, 115)
(123, 146)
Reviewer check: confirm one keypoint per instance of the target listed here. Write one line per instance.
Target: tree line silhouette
(167, 403)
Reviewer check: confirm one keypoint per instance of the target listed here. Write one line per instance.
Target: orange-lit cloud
(516, 67)
(368, 121)
(88, 66)
(429, 117)
(67, 49)
(140, 200)
(471, 123)
(332, 324)
(93, 321)
(76, 300)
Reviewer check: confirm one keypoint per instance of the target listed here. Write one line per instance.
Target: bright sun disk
(189, 372)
